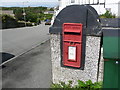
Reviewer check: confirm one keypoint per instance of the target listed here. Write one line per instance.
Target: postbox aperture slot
(73, 33)
(74, 37)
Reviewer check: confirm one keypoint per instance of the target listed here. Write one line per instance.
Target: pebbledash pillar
(75, 39)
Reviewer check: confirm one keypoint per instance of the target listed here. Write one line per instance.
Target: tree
(51, 9)
(8, 21)
(107, 14)
(31, 17)
(33, 14)
(48, 16)
(19, 14)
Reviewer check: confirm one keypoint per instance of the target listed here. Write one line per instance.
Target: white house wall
(110, 4)
(119, 9)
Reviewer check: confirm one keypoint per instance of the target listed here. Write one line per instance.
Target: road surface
(31, 70)
(18, 40)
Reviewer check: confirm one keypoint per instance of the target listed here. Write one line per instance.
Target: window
(72, 1)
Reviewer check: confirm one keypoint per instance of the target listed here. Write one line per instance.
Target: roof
(7, 11)
(49, 12)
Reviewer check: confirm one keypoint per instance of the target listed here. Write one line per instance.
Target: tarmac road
(18, 40)
(31, 70)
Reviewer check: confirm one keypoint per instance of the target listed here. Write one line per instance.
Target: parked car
(48, 22)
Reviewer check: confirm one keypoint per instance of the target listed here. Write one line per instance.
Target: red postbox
(72, 44)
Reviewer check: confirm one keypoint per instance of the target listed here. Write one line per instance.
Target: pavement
(30, 70)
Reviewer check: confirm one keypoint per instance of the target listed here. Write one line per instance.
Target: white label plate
(72, 52)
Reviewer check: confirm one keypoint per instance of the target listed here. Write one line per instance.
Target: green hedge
(22, 24)
(11, 22)
(8, 21)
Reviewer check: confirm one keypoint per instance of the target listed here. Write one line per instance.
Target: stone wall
(90, 71)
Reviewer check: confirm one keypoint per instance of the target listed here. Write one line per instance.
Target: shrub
(6, 17)
(107, 14)
(22, 24)
(29, 24)
(87, 85)
(8, 21)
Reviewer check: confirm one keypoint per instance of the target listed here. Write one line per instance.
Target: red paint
(72, 37)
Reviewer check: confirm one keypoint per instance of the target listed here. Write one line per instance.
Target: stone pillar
(65, 74)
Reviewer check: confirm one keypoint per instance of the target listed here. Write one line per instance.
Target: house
(49, 12)
(100, 5)
(9, 12)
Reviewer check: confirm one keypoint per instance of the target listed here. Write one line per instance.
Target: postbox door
(72, 44)
(72, 54)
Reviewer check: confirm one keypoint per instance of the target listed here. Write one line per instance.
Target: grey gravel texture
(65, 74)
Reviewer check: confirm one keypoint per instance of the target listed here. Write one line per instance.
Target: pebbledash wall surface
(93, 70)
(93, 62)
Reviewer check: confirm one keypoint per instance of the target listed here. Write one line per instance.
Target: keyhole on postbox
(71, 43)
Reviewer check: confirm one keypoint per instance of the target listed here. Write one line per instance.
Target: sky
(26, 3)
